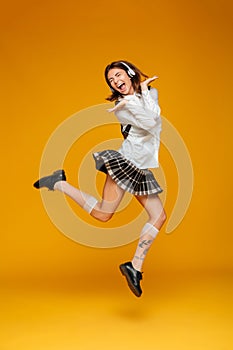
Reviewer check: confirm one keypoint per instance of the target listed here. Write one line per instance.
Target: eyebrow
(113, 75)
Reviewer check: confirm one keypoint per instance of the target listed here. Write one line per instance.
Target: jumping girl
(137, 109)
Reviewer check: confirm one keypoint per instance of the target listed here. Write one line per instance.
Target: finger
(153, 78)
(149, 80)
(110, 110)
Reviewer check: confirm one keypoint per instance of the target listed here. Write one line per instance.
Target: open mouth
(121, 86)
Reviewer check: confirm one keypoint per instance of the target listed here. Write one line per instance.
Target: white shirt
(141, 146)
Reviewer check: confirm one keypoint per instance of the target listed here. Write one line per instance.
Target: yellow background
(53, 55)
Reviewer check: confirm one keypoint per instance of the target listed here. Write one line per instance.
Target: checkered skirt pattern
(137, 181)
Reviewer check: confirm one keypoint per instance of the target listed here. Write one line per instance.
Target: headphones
(131, 73)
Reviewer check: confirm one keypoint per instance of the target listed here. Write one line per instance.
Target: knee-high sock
(148, 234)
(86, 201)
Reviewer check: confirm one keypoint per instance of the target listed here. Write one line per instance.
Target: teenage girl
(127, 169)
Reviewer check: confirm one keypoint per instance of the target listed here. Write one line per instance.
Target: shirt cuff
(145, 92)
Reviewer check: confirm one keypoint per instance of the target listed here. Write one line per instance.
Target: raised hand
(118, 106)
(144, 84)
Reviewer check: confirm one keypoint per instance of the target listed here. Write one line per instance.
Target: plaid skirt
(137, 181)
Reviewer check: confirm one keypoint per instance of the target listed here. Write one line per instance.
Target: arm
(147, 115)
(150, 97)
(144, 118)
(150, 100)
(141, 117)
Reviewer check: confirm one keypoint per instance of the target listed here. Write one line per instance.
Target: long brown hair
(136, 79)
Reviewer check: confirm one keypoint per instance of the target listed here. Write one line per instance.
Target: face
(120, 81)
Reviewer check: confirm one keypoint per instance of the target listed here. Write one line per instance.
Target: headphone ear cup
(131, 73)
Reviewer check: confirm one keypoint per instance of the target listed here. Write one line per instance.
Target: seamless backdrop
(53, 55)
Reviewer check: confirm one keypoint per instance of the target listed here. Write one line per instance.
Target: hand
(118, 106)
(144, 84)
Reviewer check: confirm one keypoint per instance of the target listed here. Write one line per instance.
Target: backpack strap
(125, 130)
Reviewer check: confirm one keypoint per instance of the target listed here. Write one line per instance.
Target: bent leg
(104, 210)
(157, 217)
(111, 198)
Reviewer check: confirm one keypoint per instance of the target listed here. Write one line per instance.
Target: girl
(137, 109)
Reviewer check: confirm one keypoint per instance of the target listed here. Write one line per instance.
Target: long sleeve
(144, 111)
(150, 100)
(143, 118)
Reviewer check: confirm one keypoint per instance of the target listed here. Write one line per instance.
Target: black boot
(49, 181)
(133, 277)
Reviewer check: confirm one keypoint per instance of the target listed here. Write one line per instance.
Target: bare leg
(104, 210)
(157, 217)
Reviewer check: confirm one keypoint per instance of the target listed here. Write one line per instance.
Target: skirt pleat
(137, 181)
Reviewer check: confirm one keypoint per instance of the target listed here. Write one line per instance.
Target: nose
(115, 80)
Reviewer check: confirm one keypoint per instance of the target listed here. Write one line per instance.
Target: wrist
(145, 91)
(144, 87)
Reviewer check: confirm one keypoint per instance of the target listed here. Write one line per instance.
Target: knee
(163, 217)
(160, 219)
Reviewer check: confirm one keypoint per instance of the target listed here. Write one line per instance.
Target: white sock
(90, 203)
(149, 229)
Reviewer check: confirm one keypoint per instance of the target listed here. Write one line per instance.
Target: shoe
(49, 181)
(133, 277)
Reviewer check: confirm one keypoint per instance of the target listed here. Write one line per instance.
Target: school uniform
(141, 126)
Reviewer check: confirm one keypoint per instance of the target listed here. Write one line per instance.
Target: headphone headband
(130, 71)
